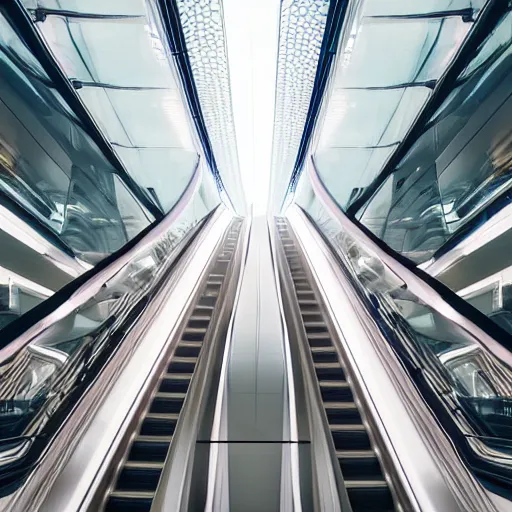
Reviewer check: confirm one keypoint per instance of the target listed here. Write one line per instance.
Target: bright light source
(252, 33)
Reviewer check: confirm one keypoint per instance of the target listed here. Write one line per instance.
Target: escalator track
(367, 488)
(137, 479)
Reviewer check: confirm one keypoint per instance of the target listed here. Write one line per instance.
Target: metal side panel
(428, 466)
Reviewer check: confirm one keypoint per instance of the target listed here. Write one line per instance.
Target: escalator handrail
(493, 470)
(87, 439)
(77, 295)
(439, 297)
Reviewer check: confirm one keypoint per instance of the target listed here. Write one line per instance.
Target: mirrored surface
(51, 168)
(391, 55)
(124, 74)
(459, 165)
(64, 204)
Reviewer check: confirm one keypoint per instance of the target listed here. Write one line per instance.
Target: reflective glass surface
(44, 379)
(459, 165)
(390, 56)
(51, 167)
(65, 204)
(466, 384)
(125, 76)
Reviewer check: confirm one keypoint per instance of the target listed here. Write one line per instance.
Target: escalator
(364, 480)
(134, 485)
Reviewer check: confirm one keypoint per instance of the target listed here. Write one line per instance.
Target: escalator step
(324, 356)
(129, 502)
(360, 465)
(315, 328)
(319, 339)
(329, 372)
(206, 300)
(309, 308)
(182, 366)
(199, 322)
(139, 478)
(172, 384)
(312, 316)
(153, 426)
(371, 498)
(149, 451)
(221, 266)
(337, 393)
(167, 403)
(194, 334)
(344, 416)
(305, 292)
(188, 349)
(345, 439)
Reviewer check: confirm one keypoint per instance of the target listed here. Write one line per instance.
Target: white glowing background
(252, 32)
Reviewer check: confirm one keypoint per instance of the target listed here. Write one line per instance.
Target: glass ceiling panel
(386, 69)
(121, 70)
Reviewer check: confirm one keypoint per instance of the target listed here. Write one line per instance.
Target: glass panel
(461, 162)
(86, 50)
(346, 171)
(155, 168)
(49, 164)
(384, 75)
(375, 118)
(399, 52)
(130, 89)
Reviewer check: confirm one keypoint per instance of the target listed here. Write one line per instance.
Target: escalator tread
(367, 488)
(137, 479)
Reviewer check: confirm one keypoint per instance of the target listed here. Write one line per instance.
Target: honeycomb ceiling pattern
(203, 27)
(302, 28)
